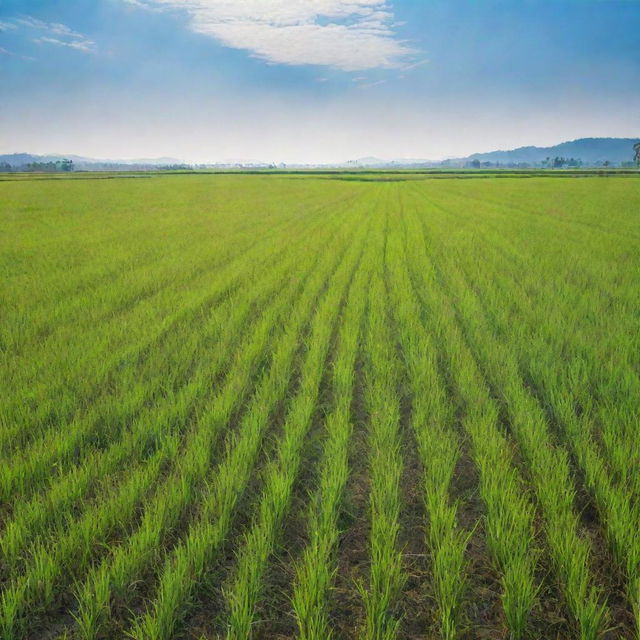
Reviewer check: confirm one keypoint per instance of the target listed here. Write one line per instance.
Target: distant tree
(475, 163)
(606, 163)
(636, 149)
(170, 167)
(49, 167)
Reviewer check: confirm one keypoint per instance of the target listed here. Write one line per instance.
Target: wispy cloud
(56, 33)
(51, 27)
(87, 46)
(414, 65)
(366, 85)
(6, 52)
(351, 35)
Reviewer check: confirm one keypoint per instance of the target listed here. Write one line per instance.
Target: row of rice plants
(590, 256)
(126, 217)
(227, 323)
(119, 343)
(548, 465)
(110, 580)
(589, 316)
(110, 272)
(260, 540)
(438, 443)
(509, 513)
(50, 566)
(184, 567)
(568, 392)
(386, 576)
(62, 447)
(590, 394)
(616, 503)
(316, 568)
(55, 448)
(221, 331)
(586, 312)
(76, 371)
(49, 508)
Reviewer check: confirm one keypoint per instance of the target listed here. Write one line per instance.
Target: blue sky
(314, 80)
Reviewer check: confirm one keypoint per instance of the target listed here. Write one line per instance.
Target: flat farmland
(320, 406)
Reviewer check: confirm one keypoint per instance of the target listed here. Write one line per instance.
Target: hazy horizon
(314, 81)
(172, 159)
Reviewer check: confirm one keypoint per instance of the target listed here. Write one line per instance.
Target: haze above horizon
(314, 80)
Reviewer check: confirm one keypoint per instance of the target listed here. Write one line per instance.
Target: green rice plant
(509, 517)
(547, 465)
(60, 448)
(206, 535)
(96, 523)
(572, 314)
(563, 389)
(49, 509)
(155, 334)
(316, 568)
(438, 445)
(128, 560)
(190, 285)
(259, 543)
(198, 295)
(386, 576)
(36, 588)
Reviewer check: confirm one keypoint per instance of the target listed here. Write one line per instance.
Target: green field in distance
(350, 405)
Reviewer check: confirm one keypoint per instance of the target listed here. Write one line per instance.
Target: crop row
(230, 405)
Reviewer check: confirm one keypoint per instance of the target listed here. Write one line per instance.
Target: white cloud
(350, 35)
(366, 85)
(80, 45)
(51, 27)
(64, 35)
(7, 26)
(414, 65)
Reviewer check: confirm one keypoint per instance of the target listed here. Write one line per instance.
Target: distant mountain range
(591, 151)
(17, 160)
(588, 152)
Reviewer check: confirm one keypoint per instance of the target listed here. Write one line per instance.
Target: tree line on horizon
(57, 166)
